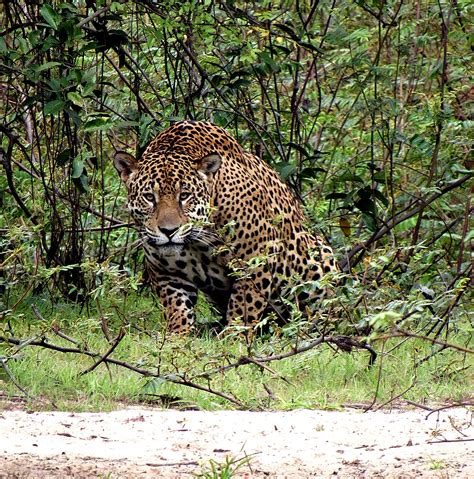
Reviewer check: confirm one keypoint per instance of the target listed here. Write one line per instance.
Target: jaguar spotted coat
(217, 219)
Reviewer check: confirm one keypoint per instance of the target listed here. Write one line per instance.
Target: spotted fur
(217, 219)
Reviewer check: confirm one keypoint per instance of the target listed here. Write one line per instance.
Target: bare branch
(422, 203)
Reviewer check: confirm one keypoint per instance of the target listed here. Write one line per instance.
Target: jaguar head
(169, 198)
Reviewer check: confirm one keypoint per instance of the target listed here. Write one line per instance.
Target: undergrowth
(322, 377)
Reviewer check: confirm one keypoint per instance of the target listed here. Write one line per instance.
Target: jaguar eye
(149, 197)
(184, 196)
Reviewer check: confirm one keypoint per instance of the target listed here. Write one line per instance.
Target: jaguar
(217, 219)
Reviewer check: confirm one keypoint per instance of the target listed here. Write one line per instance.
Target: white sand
(139, 442)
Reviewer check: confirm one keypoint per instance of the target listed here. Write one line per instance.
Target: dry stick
(243, 360)
(172, 464)
(342, 341)
(465, 230)
(140, 100)
(438, 123)
(456, 427)
(379, 377)
(6, 160)
(378, 15)
(450, 440)
(466, 273)
(270, 393)
(398, 396)
(142, 73)
(100, 228)
(449, 406)
(270, 370)
(421, 406)
(103, 323)
(63, 349)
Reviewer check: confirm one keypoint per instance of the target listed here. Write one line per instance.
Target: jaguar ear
(209, 164)
(125, 164)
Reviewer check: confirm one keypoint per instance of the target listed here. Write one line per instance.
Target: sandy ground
(138, 442)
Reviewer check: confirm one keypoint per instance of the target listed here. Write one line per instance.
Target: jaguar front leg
(247, 304)
(178, 298)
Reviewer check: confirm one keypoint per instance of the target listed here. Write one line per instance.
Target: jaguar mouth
(178, 241)
(156, 243)
(169, 248)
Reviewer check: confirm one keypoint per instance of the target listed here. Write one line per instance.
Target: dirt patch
(139, 442)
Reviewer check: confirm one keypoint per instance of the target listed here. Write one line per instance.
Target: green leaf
(46, 66)
(462, 170)
(83, 183)
(285, 169)
(53, 107)
(270, 62)
(365, 204)
(282, 48)
(77, 168)
(222, 118)
(381, 197)
(241, 82)
(380, 177)
(349, 177)
(50, 16)
(98, 124)
(75, 98)
(311, 172)
(154, 385)
(384, 320)
(63, 157)
(369, 221)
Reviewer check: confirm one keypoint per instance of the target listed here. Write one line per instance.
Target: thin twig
(116, 342)
(3, 363)
(468, 403)
(451, 440)
(399, 333)
(172, 464)
(421, 406)
(96, 14)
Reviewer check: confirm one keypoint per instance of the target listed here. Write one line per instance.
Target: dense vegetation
(364, 108)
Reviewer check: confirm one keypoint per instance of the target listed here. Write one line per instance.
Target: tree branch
(346, 263)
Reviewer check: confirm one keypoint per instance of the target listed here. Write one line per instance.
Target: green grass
(319, 378)
(225, 470)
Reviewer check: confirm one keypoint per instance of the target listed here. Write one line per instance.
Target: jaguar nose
(168, 231)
